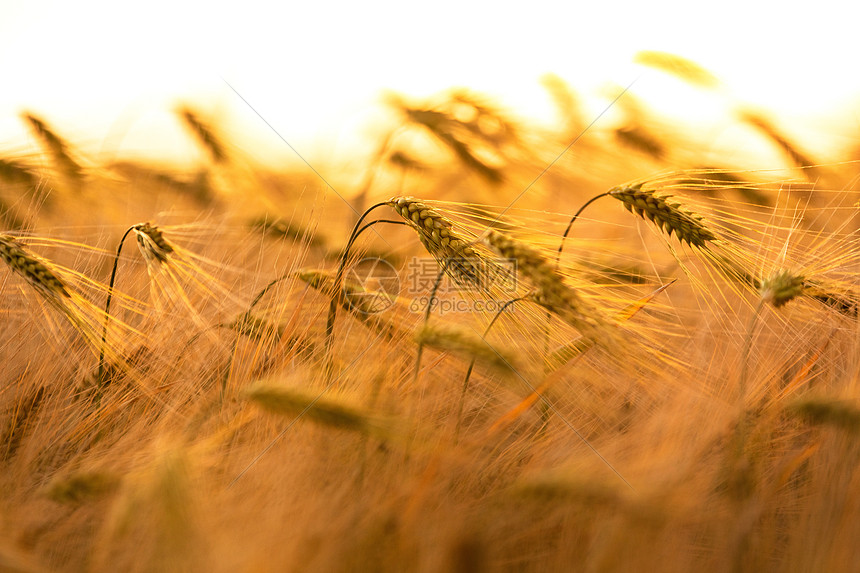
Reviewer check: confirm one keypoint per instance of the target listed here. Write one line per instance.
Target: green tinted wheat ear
(468, 344)
(33, 269)
(662, 210)
(551, 292)
(781, 287)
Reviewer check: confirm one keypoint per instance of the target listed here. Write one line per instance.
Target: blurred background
(109, 77)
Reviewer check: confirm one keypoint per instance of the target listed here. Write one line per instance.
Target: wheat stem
(570, 224)
(432, 299)
(338, 287)
(107, 308)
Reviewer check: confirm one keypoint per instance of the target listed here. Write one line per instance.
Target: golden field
(673, 388)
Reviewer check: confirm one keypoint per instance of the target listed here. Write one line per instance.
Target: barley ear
(33, 269)
(781, 287)
(551, 292)
(152, 243)
(204, 135)
(669, 215)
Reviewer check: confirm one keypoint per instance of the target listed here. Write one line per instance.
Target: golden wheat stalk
(460, 256)
(204, 135)
(328, 412)
(152, 243)
(669, 215)
(551, 292)
(35, 270)
(468, 344)
(363, 304)
(55, 145)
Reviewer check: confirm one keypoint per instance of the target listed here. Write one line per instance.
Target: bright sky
(107, 74)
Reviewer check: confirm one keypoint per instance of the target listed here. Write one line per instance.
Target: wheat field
(227, 367)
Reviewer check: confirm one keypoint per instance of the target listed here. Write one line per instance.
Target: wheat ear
(551, 292)
(669, 215)
(337, 295)
(35, 270)
(155, 249)
(465, 263)
(354, 299)
(55, 145)
(204, 135)
(286, 401)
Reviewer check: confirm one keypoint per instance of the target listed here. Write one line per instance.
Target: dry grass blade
(669, 215)
(291, 402)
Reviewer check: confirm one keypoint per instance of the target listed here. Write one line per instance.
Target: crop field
(606, 346)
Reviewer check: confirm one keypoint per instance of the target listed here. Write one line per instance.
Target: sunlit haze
(109, 76)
